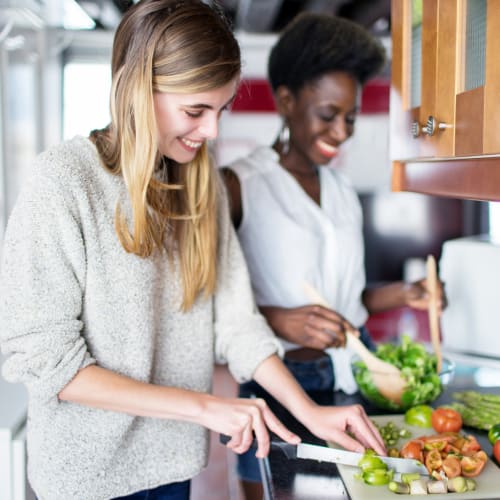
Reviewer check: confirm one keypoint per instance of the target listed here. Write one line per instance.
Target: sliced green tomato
(378, 477)
(420, 415)
(494, 433)
(370, 461)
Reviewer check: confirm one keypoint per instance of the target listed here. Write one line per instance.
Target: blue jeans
(172, 491)
(314, 375)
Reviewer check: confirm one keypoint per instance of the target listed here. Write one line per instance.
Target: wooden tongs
(432, 289)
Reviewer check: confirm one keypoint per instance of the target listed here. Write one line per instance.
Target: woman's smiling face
(186, 121)
(321, 117)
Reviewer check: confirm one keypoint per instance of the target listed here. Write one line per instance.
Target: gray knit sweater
(71, 296)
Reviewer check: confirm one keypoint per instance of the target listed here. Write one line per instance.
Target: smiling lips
(191, 145)
(326, 149)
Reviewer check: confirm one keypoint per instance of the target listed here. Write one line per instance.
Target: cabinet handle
(433, 125)
(430, 127)
(415, 129)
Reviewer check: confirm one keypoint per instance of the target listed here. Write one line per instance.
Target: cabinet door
(455, 147)
(424, 78)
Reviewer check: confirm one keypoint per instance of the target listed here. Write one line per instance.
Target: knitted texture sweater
(71, 296)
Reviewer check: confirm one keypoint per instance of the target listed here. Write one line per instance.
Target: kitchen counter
(299, 479)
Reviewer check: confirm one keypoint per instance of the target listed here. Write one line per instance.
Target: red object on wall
(383, 326)
(255, 96)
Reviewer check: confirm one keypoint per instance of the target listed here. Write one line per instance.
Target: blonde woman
(123, 282)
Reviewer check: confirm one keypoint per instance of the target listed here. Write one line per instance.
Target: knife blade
(344, 457)
(338, 456)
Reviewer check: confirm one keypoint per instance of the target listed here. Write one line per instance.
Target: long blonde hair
(179, 46)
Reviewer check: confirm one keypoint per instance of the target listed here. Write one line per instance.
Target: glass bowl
(422, 388)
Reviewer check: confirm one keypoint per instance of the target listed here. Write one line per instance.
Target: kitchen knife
(338, 456)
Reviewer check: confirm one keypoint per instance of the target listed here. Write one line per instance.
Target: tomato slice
(471, 466)
(433, 461)
(470, 446)
(435, 444)
(451, 466)
(413, 449)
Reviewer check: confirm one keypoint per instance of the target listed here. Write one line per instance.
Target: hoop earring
(284, 138)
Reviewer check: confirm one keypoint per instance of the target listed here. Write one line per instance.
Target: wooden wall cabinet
(445, 97)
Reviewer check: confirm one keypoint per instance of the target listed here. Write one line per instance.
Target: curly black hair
(312, 45)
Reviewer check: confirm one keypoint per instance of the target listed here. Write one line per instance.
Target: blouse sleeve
(41, 290)
(243, 337)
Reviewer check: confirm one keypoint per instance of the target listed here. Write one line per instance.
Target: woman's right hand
(241, 419)
(311, 326)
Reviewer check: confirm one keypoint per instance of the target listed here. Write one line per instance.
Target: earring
(284, 138)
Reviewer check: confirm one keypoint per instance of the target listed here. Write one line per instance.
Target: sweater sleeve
(243, 337)
(41, 289)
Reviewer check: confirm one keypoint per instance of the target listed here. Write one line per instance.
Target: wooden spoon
(386, 377)
(432, 289)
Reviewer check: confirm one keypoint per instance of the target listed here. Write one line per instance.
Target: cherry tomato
(433, 460)
(471, 466)
(496, 451)
(451, 466)
(446, 419)
(413, 449)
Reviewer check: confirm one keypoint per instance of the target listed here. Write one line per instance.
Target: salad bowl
(418, 368)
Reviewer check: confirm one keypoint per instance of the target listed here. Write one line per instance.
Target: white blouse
(289, 240)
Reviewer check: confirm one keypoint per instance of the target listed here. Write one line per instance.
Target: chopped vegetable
(436, 487)
(409, 476)
(398, 487)
(373, 470)
(457, 484)
(391, 433)
(472, 466)
(413, 449)
(418, 487)
(370, 461)
(478, 410)
(418, 367)
(451, 466)
(377, 477)
(420, 415)
(471, 484)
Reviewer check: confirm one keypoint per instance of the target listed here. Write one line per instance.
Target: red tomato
(472, 466)
(446, 419)
(451, 466)
(496, 450)
(413, 449)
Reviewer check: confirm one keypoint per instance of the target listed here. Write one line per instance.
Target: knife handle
(289, 450)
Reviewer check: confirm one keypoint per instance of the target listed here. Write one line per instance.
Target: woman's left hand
(417, 295)
(339, 423)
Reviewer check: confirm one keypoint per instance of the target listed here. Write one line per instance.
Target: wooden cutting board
(487, 483)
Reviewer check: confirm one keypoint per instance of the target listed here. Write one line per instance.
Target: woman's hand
(417, 295)
(339, 423)
(311, 326)
(241, 419)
